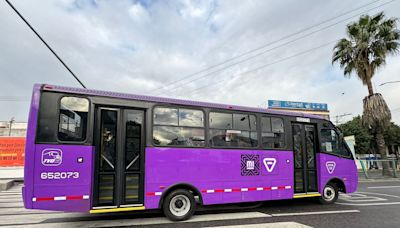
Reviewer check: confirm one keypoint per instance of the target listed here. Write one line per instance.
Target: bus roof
(65, 89)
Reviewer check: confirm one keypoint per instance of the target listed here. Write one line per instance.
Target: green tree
(361, 133)
(392, 135)
(370, 40)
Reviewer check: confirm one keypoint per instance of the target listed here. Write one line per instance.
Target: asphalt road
(376, 204)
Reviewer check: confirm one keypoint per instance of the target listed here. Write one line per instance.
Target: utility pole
(11, 122)
(338, 117)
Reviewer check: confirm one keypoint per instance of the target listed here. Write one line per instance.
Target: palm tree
(369, 41)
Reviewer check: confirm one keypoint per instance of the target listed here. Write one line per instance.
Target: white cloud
(138, 13)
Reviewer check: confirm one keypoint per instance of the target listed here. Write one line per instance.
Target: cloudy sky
(232, 51)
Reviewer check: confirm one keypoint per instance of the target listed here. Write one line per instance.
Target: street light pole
(390, 82)
(11, 122)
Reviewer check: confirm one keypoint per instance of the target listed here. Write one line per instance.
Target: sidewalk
(16, 173)
(376, 176)
(386, 179)
(9, 175)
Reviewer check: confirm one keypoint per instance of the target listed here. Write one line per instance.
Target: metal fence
(374, 168)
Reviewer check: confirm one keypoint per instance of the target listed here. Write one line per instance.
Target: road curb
(378, 180)
(6, 184)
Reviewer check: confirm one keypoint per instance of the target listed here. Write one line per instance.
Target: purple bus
(96, 151)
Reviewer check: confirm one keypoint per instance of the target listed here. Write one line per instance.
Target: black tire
(329, 195)
(182, 201)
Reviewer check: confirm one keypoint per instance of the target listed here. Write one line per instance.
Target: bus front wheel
(179, 205)
(330, 194)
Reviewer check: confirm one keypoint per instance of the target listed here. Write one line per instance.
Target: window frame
(87, 124)
(342, 143)
(285, 132)
(177, 126)
(257, 130)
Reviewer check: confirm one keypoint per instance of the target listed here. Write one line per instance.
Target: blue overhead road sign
(297, 105)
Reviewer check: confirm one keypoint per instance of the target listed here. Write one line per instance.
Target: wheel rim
(329, 193)
(179, 205)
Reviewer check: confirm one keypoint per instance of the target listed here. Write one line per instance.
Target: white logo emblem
(250, 165)
(330, 166)
(51, 157)
(269, 164)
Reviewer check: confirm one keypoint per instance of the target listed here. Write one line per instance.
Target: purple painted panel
(63, 177)
(335, 167)
(27, 190)
(221, 175)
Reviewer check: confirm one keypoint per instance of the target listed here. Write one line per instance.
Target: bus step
(303, 195)
(118, 209)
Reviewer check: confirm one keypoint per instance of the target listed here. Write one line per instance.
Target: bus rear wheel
(330, 194)
(179, 205)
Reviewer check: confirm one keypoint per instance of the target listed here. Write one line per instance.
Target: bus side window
(73, 119)
(178, 127)
(272, 133)
(233, 130)
(331, 142)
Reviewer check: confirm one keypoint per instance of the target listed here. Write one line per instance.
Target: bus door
(119, 139)
(304, 148)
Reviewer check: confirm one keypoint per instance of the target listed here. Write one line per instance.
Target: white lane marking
(151, 221)
(353, 195)
(385, 186)
(266, 225)
(35, 218)
(315, 213)
(370, 204)
(360, 198)
(380, 194)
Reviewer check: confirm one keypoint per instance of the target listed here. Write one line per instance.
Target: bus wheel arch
(330, 192)
(196, 193)
(339, 184)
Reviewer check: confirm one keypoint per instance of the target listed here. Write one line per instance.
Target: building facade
(18, 129)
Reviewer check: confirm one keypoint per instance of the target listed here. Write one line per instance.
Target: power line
(45, 43)
(263, 66)
(389, 83)
(14, 98)
(338, 117)
(290, 41)
(281, 45)
(395, 110)
(270, 43)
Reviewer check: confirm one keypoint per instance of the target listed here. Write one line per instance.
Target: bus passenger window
(178, 127)
(233, 130)
(166, 116)
(73, 119)
(272, 133)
